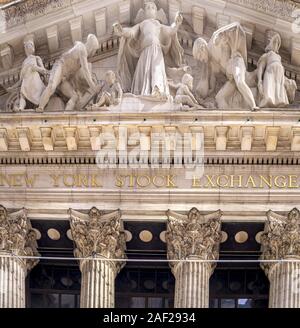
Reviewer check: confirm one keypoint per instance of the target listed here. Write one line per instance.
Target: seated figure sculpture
(64, 70)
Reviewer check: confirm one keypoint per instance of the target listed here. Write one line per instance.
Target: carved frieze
(153, 72)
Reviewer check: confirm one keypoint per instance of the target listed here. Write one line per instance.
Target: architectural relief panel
(216, 76)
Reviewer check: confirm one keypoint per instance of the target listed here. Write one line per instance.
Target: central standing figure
(154, 47)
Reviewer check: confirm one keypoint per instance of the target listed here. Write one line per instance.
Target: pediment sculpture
(154, 72)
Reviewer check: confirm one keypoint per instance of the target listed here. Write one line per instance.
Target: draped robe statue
(275, 89)
(226, 53)
(30, 81)
(147, 50)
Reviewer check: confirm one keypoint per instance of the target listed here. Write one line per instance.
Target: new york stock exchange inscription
(132, 180)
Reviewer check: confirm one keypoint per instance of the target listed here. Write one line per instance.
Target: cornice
(75, 138)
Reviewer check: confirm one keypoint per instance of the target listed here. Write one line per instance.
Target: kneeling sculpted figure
(64, 70)
(113, 93)
(184, 95)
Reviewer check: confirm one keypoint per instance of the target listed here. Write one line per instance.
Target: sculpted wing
(140, 16)
(161, 16)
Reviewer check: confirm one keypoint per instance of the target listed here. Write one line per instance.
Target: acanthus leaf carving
(193, 236)
(281, 238)
(17, 237)
(98, 234)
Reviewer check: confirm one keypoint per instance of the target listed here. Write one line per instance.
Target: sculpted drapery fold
(146, 52)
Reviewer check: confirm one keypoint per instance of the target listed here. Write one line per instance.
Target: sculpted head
(110, 77)
(150, 10)
(92, 45)
(200, 50)
(29, 47)
(274, 43)
(187, 79)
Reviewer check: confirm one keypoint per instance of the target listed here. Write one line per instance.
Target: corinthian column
(281, 243)
(100, 245)
(17, 239)
(190, 240)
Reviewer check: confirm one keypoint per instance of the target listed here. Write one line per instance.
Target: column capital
(281, 238)
(193, 236)
(99, 234)
(17, 237)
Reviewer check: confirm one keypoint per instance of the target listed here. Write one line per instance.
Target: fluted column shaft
(192, 284)
(100, 245)
(97, 284)
(12, 282)
(285, 284)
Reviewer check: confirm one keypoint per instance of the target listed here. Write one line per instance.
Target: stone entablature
(245, 133)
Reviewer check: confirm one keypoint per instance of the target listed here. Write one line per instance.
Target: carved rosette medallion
(194, 236)
(280, 239)
(99, 235)
(17, 237)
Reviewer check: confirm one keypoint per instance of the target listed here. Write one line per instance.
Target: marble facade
(85, 79)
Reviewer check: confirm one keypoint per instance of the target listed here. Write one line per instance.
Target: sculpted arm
(40, 62)
(170, 30)
(189, 93)
(126, 32)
